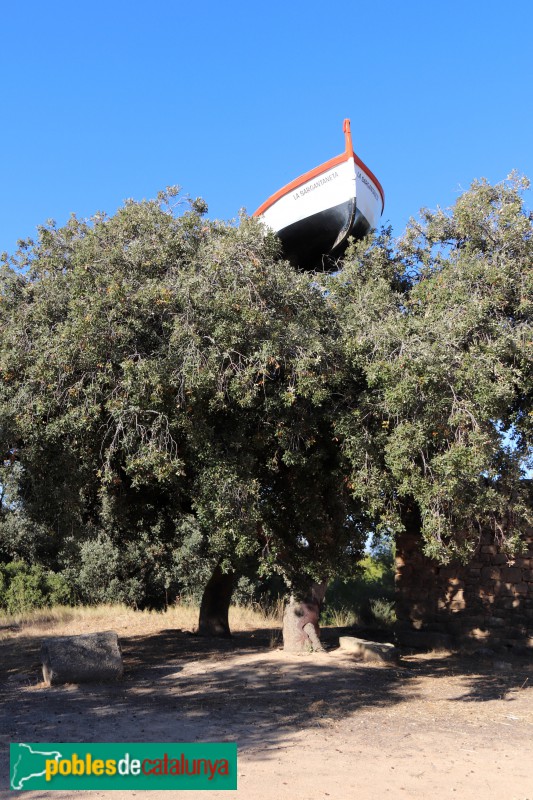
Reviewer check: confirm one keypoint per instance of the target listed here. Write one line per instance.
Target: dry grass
(342, 618)
(64, 621)
(69, 621)
(264, 615)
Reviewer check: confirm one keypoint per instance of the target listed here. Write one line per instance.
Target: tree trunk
(301, 633)
(215, 604)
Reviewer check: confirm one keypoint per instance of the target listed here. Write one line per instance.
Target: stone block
(479, 633)
(499, 559)
(420, 610)
(506, 590)
(509, 603)
(511, 574)
(474, 621)
(454, 582)
(368, 651)
(490, 574)
(454, 626)
(474, 572)
(496, 622)
(485, 593)
(93, 657)
(458, 601)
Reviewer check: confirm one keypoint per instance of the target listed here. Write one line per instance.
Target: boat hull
(316, 214)
(314, 240)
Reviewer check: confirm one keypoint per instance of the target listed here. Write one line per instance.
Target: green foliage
(174, 395)
(245, 592)
(366, 598)
(24, 587)
(383, 612)
(141, 569)
(22, 537)
(159, 368)
(441, 328)
(97, 576)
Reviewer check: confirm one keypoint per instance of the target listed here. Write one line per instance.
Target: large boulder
(81, 659)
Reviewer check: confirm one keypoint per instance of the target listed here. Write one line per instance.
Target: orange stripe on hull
(313, 173)
(308, 176)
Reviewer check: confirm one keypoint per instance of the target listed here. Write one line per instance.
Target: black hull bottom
(317, 241)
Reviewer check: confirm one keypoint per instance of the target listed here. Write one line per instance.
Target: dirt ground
(307, 727)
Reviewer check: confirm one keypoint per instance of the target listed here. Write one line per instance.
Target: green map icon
(28, 763)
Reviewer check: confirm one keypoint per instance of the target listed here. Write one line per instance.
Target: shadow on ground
(180, 687)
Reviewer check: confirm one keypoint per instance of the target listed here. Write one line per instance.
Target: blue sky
(105, 101)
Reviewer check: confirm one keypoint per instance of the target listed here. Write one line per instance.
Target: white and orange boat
(316, 214)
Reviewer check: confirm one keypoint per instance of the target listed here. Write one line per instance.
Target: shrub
(60, 593)
(244, 592)
(368, 597)
(383, 612)
(24, 587)
(98, 578)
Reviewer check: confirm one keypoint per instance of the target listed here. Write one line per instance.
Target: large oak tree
(161, 371)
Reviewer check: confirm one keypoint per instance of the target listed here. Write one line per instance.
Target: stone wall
(487, 603)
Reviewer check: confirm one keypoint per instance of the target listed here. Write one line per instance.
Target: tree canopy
(172, 389)
(166, 377)
(441, 329)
